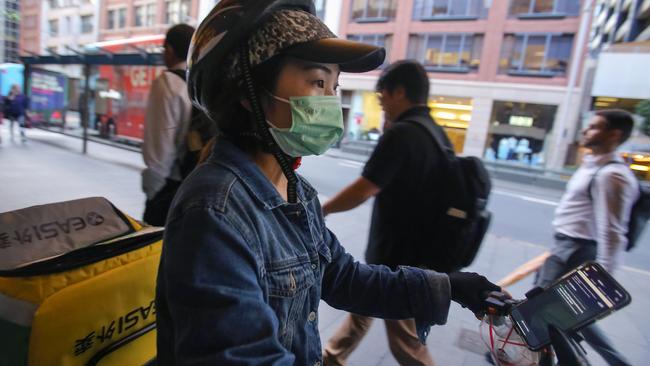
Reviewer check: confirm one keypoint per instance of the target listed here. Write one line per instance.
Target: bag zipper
(84, 256)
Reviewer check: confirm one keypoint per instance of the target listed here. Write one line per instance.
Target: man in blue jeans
(592, 218)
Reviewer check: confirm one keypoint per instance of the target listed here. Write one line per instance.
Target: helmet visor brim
(351, 56)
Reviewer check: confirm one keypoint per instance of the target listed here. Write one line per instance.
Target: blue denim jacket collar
(234, 159)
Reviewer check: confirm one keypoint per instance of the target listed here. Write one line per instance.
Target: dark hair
(408, 74)
(234, 122)
(178, 38)
(618, 119)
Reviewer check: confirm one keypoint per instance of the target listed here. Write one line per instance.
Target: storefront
(519, 132)
(364, 117)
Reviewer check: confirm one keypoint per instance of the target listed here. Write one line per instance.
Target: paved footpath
(49, 167)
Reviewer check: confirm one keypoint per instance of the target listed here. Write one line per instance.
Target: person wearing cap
(246, 254)
(167, 118)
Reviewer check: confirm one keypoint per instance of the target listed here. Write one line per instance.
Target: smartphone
(577, 299)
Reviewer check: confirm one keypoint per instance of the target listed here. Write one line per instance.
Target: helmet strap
(286, 162)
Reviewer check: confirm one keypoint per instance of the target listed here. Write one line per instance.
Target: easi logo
(49, 230)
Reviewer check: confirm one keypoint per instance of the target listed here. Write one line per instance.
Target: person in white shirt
(167, 118)
(592, 218)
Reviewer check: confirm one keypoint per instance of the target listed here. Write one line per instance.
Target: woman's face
(298, 79)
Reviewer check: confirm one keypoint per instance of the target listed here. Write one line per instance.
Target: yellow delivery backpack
(77, 285)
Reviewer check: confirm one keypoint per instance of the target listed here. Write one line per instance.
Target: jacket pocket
(288, 290)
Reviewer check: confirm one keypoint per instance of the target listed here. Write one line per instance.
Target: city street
(50, 167)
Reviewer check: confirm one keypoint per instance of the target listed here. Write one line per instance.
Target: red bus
(121, 92)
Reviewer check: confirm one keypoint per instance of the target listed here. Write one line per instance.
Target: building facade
(620, 21)
(499, 71)
(121, 19)
(30, 27)
(9, 30)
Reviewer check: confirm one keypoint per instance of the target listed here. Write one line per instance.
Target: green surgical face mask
(316, 124)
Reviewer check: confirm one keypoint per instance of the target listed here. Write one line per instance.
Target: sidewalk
(50, 167)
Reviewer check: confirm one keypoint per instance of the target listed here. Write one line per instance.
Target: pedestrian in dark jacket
(16, 105)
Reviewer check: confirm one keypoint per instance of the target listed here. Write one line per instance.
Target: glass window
(536, 54)
(150, 20)
(435, 9)
(541, 8)
(139, 15)
(381, 40)
(447, 52)
(177, 11)
(373, 10)
(86, 24)
(110, 19)
(121, 18)
(320, 8)
(54, 27)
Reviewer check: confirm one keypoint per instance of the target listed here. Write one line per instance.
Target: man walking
(166, 121)
(403, 173)
(592, 218)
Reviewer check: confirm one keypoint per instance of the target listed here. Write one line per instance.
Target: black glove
(470, 290)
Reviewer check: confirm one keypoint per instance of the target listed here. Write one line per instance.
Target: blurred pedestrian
(167, 118)
(403, 173)
(247, 257)
(592, 217)
(15, 110)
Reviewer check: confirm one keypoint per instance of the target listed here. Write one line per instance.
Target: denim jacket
(242, 273)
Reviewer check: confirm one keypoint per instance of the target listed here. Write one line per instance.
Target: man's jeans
(571, 255)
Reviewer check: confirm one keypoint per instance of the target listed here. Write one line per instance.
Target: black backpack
(640, 210)
(199, 132)
(462, 218)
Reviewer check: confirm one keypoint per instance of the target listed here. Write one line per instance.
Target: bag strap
(593, 177)
(437, 133)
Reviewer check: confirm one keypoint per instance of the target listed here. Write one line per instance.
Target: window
(139, 15)
(536, 54)
(54, 27)
(177, 11)
(373, 10)
(320, 8)
(447, 52)
(145, 15)
(381, 40)
(449, 9)
(121, 18)
(86, 24)
(150, 19)
(544, 8)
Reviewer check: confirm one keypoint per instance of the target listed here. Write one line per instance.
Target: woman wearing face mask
(247, 256)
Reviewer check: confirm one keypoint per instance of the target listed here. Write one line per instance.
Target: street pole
(85, 110)
(561, 128)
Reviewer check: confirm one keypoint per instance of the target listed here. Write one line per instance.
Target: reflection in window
(536, 54)
(441, 9)
(380, 40)
(446, 52)
(537, 8)
(373, 10)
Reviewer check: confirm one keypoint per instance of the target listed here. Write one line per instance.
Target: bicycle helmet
(238, 35)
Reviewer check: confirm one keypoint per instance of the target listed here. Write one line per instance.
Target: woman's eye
(320, 83)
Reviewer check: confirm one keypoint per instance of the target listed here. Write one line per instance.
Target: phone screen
(585, 294)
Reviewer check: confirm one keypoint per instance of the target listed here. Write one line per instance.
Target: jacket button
(314, 266)
(312, 316)
(317, 363)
